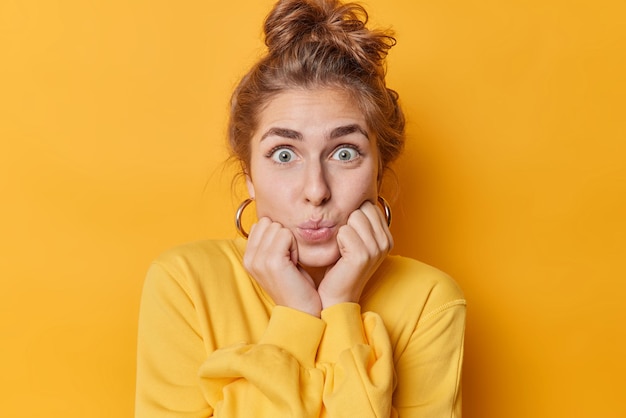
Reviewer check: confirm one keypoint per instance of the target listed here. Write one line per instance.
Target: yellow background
(112, 120)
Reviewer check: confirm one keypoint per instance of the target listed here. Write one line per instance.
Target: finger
(361, 223)
(277, 238)
(260, 233)
(257, 232)
(253, 247)
(375, 215)
(282, 243)
(351, 243)
(371, 232)
(378, 221)
(266, 248)
(369, 220)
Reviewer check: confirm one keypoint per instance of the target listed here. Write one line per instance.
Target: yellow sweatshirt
(213, 344)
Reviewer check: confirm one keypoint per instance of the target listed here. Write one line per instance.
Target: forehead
(317, 107)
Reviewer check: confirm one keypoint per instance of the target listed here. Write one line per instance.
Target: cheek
(354, 190)
(273, 193)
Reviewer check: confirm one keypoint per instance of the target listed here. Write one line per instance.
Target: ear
(249, 185)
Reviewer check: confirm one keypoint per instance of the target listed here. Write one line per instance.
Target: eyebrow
(334, 134)
(283, 133)
(347, 130)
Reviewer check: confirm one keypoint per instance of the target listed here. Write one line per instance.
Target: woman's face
(313, 162)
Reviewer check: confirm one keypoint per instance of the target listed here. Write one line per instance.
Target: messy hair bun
(320, 43)
(326, 24)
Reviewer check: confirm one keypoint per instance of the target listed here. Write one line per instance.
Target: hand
(364, 242)
(272, 259)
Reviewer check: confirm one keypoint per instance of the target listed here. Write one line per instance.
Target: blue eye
(345, 154)
(283, 155)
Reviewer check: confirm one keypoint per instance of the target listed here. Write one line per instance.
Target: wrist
(315, 311)
(311, 306)
(330, 301)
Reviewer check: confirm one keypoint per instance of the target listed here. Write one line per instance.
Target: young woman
(309, 316)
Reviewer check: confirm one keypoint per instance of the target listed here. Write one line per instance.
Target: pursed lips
(316, 230)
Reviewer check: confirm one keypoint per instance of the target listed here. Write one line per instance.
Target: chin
(318, 255)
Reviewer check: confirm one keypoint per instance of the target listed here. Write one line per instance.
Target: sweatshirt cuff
(295, 332)
(344, 330)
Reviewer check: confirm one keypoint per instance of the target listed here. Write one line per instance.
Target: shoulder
(201, 252)
(419, 276)
(195, 262)
(410, 287)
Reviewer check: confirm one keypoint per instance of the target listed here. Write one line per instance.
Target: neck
(316, 273)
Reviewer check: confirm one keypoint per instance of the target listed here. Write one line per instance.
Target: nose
(316, 187)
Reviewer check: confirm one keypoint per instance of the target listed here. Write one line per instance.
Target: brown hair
(313, 44)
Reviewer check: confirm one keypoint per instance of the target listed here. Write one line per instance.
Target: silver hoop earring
(240, 210)
(386, 208)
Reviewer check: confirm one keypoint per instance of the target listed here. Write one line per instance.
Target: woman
(310, 316)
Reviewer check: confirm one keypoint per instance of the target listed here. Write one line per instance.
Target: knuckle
(387, 245)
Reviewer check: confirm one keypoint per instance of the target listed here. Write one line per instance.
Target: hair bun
(294, 23)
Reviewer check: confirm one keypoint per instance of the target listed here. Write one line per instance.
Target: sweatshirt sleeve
(357, 359)
(429, 369)
(169, 351)
(364, 380)
(275, 377)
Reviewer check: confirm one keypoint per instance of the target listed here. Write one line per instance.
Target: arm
(362, 380)
(274, 378)
(176, 378)
(357, 358)
(169, 350)
(429, 369)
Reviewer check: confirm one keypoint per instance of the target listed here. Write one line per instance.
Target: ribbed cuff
(295, 332)
(344, 329)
